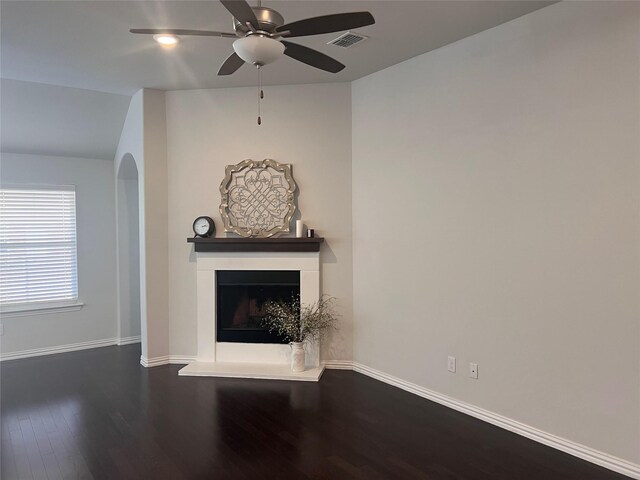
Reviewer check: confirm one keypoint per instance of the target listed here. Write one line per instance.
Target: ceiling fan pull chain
(260, 93)
(260, 82)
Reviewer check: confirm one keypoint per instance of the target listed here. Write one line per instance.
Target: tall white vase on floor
(297, 356)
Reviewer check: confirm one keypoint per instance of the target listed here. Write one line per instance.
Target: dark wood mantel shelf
(277, 244)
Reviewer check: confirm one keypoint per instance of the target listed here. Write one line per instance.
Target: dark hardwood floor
(99, 414)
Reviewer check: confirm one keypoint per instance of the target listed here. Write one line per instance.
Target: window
(38, 264)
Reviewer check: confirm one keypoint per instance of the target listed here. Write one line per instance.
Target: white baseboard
(181, 359)
(576, 449)
(72, 347)
(129, 340)
(166, 360)
(338, 365)
(154, 362)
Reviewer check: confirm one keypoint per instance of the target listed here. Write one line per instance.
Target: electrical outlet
(473, 370)
(451, 364)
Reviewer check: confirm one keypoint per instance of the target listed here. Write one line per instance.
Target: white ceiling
(48, 120)
(86, 44)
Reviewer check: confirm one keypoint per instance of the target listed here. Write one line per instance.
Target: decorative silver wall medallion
(257, 198)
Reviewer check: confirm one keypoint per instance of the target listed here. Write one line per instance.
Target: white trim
(129, 340)
(28, 309)
(154, 362)
(573, 448)
(38, 186)
(36, 352)
(181, 359)
(167, 360)
(338, 365)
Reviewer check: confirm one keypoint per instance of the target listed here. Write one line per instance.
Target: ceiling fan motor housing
(268, 19)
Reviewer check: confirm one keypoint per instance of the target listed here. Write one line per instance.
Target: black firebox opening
(241, 296)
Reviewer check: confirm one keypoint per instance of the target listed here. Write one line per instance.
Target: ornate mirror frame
(257, 198)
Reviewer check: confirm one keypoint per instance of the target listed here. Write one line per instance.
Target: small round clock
(204, 227)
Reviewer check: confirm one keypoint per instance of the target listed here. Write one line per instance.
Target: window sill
(39, 309)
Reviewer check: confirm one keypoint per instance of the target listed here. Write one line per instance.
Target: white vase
(297, 356)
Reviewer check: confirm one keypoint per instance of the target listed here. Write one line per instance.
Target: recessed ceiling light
(166, 39)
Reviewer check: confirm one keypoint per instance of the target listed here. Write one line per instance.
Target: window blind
(38, 261)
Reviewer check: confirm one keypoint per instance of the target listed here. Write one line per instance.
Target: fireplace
(241, 298)
(272, 266)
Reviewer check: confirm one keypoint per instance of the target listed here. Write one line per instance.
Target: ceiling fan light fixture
(166, 39)
(258, 50)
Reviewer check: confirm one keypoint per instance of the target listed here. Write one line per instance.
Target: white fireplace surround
(253, 360)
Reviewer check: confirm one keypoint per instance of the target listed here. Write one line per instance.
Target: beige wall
(496, 219)
(95, 222)
(144, 138)
(156, 223)
(307, 126)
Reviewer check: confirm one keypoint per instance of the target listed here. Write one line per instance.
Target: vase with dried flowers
(298, 323)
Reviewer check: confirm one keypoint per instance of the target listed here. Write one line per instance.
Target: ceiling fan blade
(231, 64)
(242, 12)
(327, 24)
(180, 31)
(312, 57)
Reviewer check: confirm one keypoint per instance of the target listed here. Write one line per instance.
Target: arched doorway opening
(128, 213)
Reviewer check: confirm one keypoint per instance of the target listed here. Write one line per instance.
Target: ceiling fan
(260, 32)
